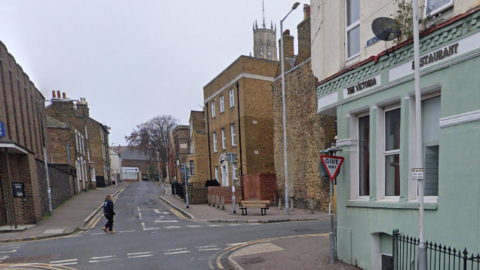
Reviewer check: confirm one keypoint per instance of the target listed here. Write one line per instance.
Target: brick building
(23, 141)
(84, 143)
(133, 158)
(180, 149)
(307, 131)
(238, 113)
(198, 154)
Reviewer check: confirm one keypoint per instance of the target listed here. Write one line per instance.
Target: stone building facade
(307, 131)
(99, 151)
(238, 113)
(198, 156)
(23, 141)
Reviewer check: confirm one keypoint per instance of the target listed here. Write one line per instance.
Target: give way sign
(332, 165)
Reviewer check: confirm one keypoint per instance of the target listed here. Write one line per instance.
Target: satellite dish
(385, 29)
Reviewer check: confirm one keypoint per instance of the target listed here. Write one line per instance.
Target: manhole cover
(251, 260)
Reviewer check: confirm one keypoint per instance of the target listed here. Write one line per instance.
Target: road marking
(206, 246)
(139, 213)
(62, 261)
(139, 256)
(161, 212)
(236, 244)
(172, 227)
(194, 226)
(140, 253)
(215, 225)
(3, 258)
(105, 260)
(10, 251)
(176, 252)
(126, 231)
(65, 262)
(174, 249)
(97, 234)
(208, 249)
(72, 236)
(234, 224)
(103, 257)
(158, 221)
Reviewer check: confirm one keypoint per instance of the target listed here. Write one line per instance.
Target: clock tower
(264, 40)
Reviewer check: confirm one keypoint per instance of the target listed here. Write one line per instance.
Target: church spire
(263, 13)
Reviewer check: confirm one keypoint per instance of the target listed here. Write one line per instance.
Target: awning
(12, 148)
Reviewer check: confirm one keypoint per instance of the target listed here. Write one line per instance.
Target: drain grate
(251, 260)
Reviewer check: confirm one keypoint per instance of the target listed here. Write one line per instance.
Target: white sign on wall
(417, 174)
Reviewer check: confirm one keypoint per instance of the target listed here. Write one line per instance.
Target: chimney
(82, 106)
(287, 44)
(58, 94)
(306, 11)
(53, 94)
(64, 96)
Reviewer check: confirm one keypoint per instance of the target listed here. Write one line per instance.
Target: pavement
(307, 251)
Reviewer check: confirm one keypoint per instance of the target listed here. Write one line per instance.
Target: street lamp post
(47, 175)
(186, 184)
(232, 157)
(284, 110)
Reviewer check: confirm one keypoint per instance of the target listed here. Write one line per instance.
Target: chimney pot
(58, 94)
(64, 96)
(286, 32)
(53, 93)
(306, 11)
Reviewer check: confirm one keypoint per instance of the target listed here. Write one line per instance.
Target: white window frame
(215, 169)
(224, 139)
(231, 95)
(233, 135)
(436, 11)
(212, 104)
(214, 137)
(235, 171)
(348, 28)
(382, 154)
(222, 104)
(86, 132)
(192, 167)
(355, 158)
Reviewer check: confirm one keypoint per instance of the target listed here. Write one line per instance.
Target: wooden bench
(262, 204)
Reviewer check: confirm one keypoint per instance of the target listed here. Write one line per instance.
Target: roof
(54, 123)
(133, 154)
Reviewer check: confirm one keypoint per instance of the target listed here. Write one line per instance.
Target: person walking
(108, 213)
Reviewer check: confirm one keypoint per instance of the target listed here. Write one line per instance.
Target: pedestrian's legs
(109, 224)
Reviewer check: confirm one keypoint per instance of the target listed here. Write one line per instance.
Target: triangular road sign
(332, 165)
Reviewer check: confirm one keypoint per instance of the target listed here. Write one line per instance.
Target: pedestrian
(108, 213)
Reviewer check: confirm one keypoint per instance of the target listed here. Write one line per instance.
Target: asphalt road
(150, 235)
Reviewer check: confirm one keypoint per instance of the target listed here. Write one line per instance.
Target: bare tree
(153, 136)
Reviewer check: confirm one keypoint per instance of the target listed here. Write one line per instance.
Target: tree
(153, 136)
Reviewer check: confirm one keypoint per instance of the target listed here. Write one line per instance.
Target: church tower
(264, 40)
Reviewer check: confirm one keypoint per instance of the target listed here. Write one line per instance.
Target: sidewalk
(294, 252)
(66, 219)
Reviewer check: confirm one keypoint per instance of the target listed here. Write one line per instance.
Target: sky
(134, 59)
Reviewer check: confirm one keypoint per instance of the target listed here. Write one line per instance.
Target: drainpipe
(208, 139)
(240, 141)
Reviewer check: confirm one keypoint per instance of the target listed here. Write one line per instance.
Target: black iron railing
(439, 257)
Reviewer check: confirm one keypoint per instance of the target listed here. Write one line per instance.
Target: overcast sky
(134, 59)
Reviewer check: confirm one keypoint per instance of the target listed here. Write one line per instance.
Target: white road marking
(10, 251)
(153, 228)
(140, 253)
(126, 231)
(176, 252)
(172, 227)
(194, 226)
(215, 225)
(3, 258)
(72, 236)
(139, 214)
(139, 256)
(174, 249)
(104, 260)
(103, 257)
(208, 249)
(158, 221)
(206, 246)
(236, 244)
(62, 261)
(161, 212)
(97, 233)
(234, 224)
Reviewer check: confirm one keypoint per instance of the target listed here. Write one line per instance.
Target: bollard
(208, 199)
(291, 205)
(218, 202)
(274, 198)
(223, 203)
(279, 203)
(213, 201)
(312, 206)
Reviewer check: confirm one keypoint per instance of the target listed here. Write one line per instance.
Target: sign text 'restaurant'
(437, 55)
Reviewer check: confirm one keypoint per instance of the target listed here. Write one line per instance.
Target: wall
(198, 195)
(260, 186)
(225, 192)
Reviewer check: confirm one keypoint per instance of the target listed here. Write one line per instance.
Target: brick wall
(198, 195)
(62, 180)
(260, 186)
(226, 192)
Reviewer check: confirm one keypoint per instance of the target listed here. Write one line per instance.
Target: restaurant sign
(362, 86)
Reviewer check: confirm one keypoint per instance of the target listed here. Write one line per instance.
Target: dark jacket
(108, 208)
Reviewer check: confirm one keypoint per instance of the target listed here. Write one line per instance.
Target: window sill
(390, 205)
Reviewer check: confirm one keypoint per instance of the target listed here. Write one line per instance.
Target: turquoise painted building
(374, 104)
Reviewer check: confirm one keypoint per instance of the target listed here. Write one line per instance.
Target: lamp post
(232, 157)
(283, 104)
(186, 184)
(422, 249)
(45, 157)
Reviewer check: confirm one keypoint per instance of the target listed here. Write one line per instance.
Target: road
(150, 235)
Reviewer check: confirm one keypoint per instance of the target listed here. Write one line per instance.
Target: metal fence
(439, 257)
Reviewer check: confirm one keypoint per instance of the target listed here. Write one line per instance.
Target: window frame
(233, 134)
(224, 139)
(231, 95)
(222, 104)
(192, 167)
(215, 171)
(436, 11)
(349, 28)
(212, 105)
(214, 138)
(387, 153)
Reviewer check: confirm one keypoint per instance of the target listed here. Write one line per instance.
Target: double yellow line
(249, 243)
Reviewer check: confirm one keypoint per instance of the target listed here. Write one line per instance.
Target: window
(233, 135)
(224, 140)
(430, 139)
(392, 152)
(86, 132)
(364, 155)
(214, 135)
(352, 28)
(269, 51)
(192, 167)
(213, 109)
(433, 7)
(216, 172)
(232, 98)
(222, 104)
(235, 171)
